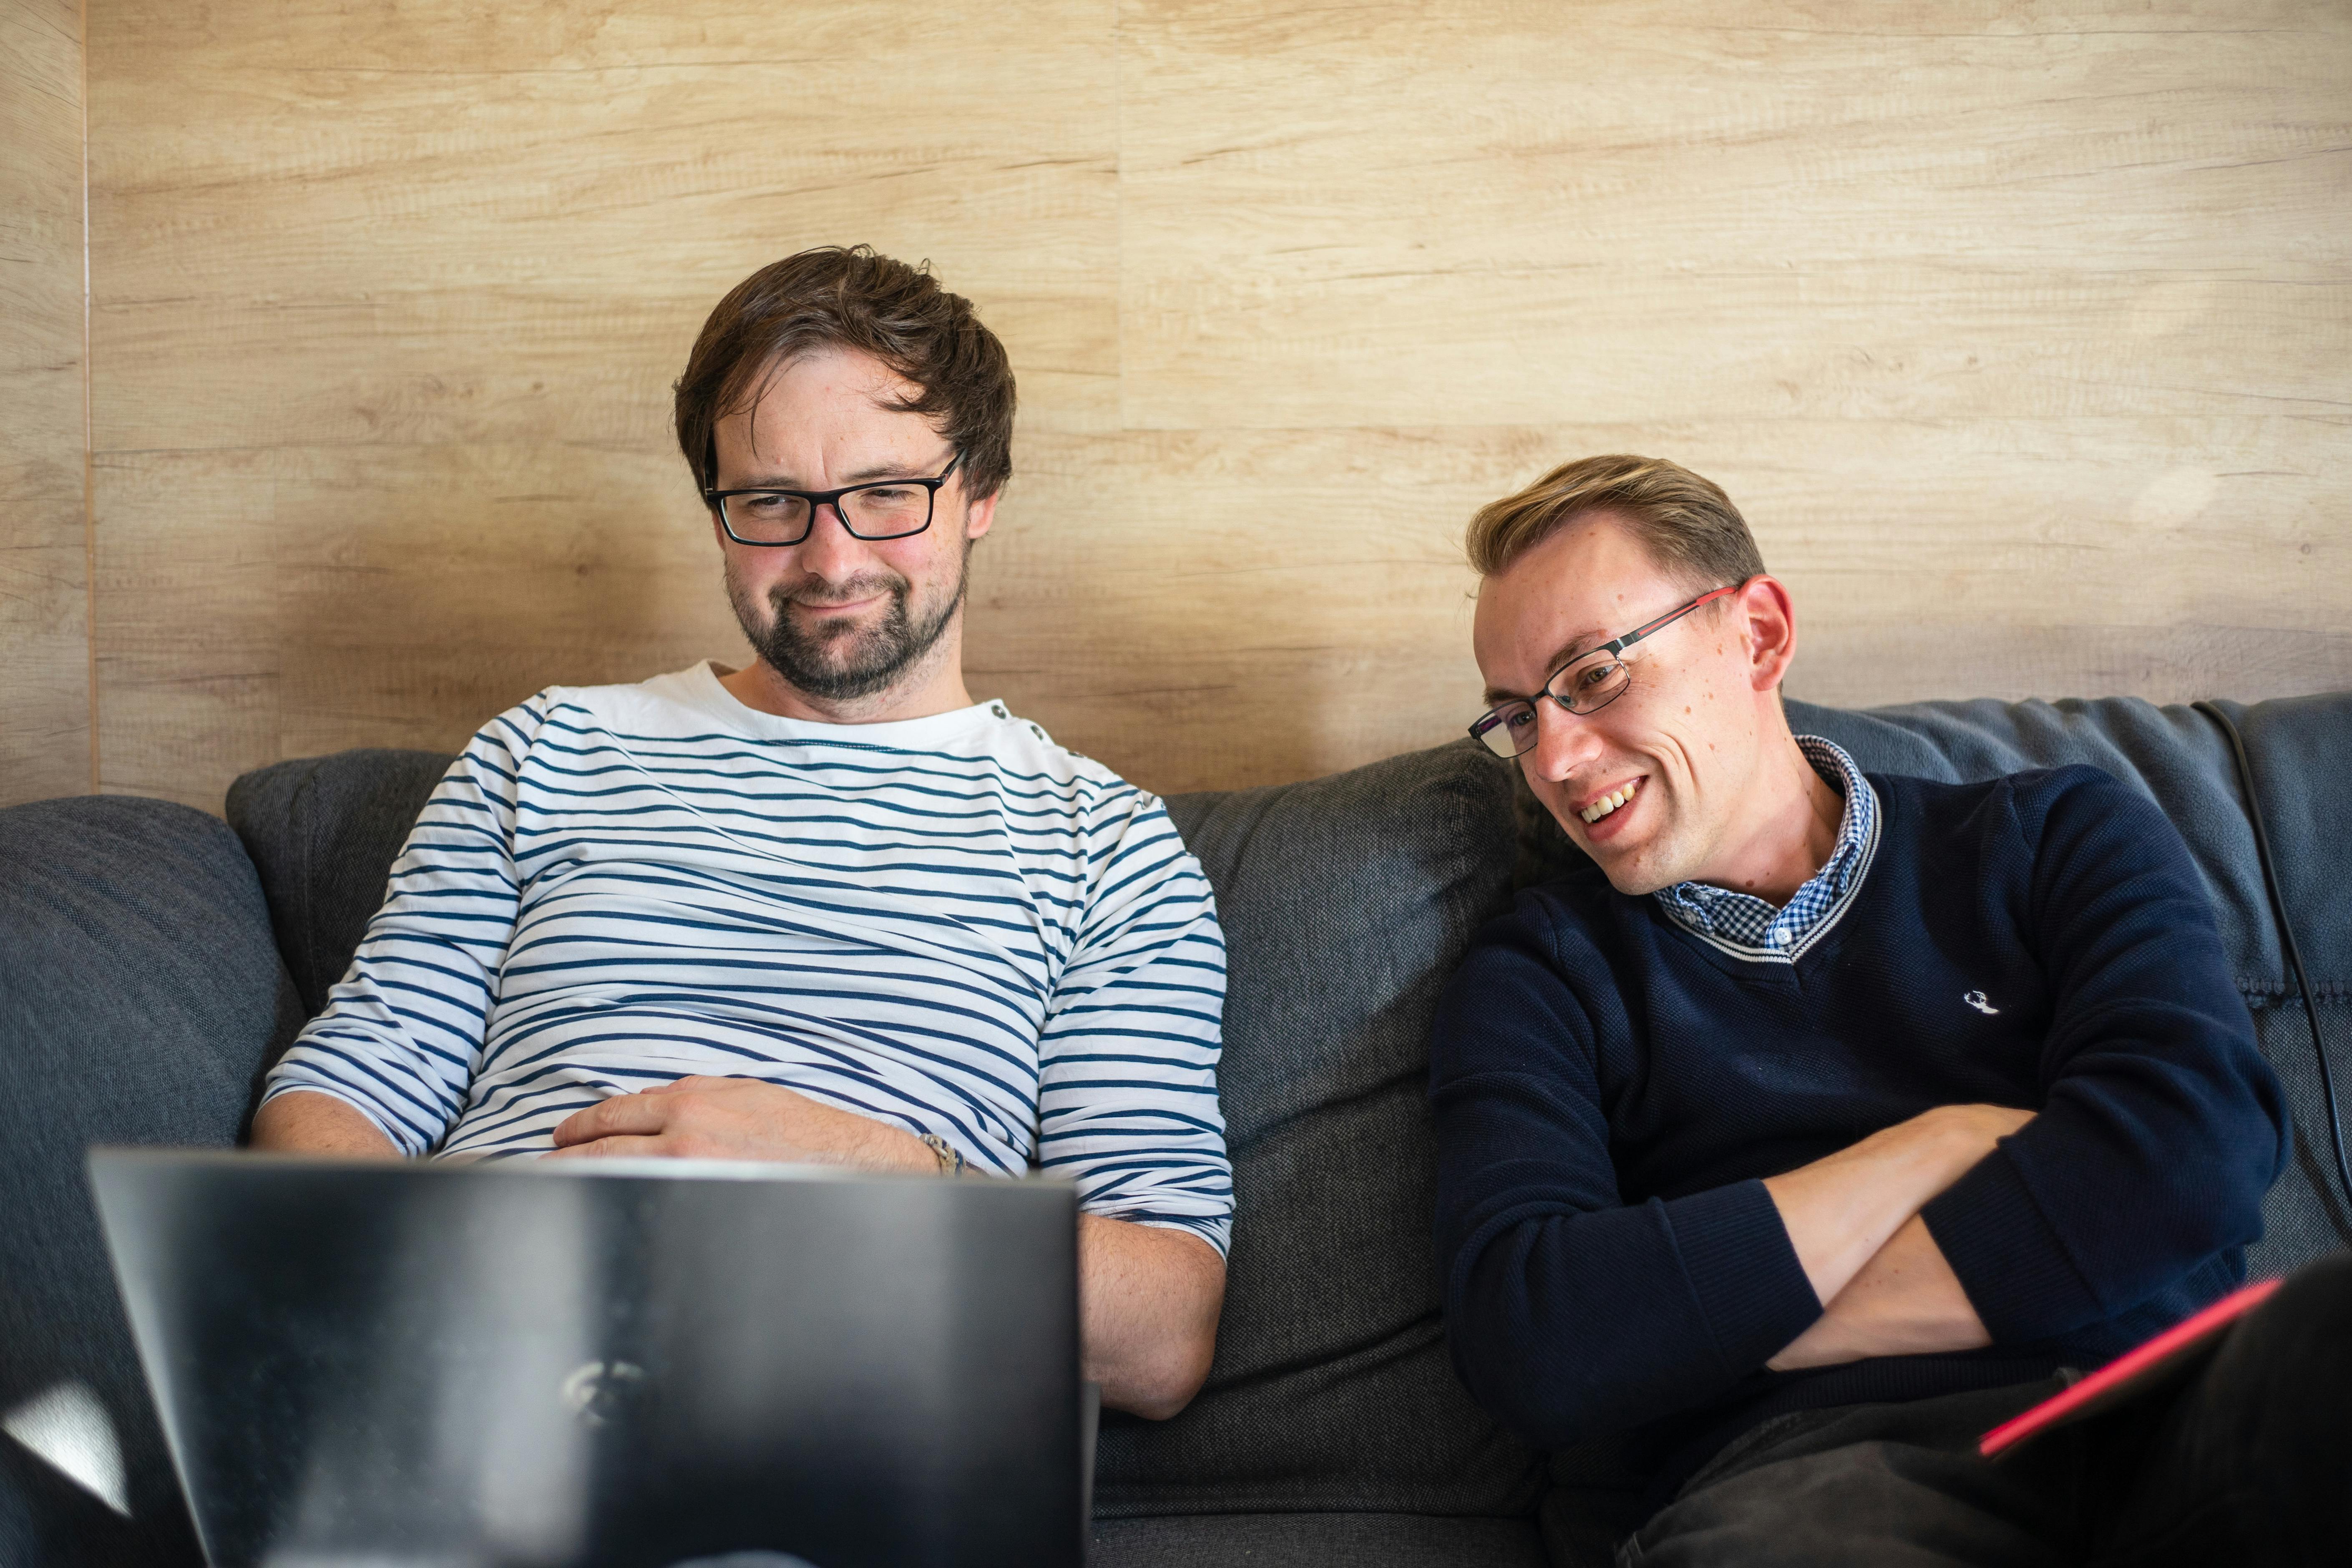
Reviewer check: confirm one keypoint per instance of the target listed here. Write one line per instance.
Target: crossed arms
(1853, 1220)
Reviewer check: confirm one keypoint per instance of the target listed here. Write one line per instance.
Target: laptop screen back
(605, 1365)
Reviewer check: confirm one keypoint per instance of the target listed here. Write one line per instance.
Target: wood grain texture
(2019, 331)
(44, 746)
(391, 298)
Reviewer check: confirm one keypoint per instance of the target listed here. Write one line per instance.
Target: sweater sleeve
(401, 1033)
(2161, 1124)
(1572, 1314)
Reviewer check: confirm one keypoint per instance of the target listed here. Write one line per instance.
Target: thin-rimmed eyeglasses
(1592, 681)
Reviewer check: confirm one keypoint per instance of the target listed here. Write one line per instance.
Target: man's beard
(842, 661)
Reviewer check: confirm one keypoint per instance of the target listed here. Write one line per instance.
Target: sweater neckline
(1751, 930)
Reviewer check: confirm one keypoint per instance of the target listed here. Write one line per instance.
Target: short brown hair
(1688, 524)
(853, 299)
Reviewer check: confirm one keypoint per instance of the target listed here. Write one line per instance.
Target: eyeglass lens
(1582, 687)
(1509, 730)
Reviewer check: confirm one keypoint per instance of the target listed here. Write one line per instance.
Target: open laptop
(614, 1364)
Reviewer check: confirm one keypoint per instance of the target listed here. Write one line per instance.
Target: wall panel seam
(88, 430)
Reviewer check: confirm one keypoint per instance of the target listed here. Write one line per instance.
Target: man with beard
(825, 907)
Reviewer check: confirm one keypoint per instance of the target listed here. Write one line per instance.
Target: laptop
(608, 1364)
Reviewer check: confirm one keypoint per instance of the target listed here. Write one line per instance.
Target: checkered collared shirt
(1747, 926)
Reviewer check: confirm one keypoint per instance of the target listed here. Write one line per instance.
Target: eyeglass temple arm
(1662, 622)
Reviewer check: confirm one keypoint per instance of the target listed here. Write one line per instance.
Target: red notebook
(2175, 1350)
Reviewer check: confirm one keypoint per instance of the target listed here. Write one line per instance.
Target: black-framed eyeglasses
(1593, 680)
(879, 509)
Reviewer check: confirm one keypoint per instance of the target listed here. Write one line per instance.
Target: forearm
(1148, 1303)
(1569, 1326)
(302, 1122)
(1841, 1210)
(1904, 1301)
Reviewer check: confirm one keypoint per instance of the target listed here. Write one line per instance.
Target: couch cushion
(1346, 903)
(2300, 748)
(323, 832)
(1315, 1541)
(141, 999)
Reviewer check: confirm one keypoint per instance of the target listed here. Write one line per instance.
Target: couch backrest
(1347, 902)
(323, 832)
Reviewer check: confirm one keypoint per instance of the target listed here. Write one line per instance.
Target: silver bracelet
(951, 1159)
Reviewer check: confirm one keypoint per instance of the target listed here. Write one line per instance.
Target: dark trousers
(2246, 1460)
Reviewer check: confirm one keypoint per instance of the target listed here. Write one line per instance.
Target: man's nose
(831, 550)
(1564, 742)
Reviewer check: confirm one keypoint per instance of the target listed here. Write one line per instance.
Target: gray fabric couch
(153, 960)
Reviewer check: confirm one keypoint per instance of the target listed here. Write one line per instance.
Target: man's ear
(1769, 623)
(980, 516)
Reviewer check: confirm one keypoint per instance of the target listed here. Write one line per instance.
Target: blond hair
(1687, 523)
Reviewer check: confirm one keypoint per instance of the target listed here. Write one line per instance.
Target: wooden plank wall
(45, 724)
(2020, 330)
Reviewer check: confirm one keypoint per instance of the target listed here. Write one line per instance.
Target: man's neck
(1788, 832)
(934, 686)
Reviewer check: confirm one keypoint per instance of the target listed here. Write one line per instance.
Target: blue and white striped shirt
(949, 924)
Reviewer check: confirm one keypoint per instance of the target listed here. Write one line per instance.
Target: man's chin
(832, 624)
(1633, 868)
(1635, 881)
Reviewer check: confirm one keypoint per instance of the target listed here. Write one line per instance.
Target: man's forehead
(1567, 596)
(828, 395)
(830, 377)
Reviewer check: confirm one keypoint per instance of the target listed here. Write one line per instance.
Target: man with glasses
(825, 907)
(1815, 1136)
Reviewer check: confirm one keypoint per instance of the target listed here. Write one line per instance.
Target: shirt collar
(1749, 927)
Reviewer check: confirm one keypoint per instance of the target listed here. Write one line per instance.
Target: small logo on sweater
(1981, 1003)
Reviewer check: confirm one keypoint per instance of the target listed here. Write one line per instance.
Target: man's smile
(1603, 812)
(839, 607)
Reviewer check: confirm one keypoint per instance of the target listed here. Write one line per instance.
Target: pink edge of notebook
(2093, 1389)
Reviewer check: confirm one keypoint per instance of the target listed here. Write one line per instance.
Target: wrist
(1966, 1134)
(879, 1146)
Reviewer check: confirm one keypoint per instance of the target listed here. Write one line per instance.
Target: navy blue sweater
(1610, 1091)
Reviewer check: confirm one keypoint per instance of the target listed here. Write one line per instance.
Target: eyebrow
(1571, 650)
(856, 476)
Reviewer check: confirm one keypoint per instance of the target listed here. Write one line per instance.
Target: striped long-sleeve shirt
(949, 924)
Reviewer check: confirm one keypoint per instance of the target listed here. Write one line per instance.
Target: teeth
(1610, 802)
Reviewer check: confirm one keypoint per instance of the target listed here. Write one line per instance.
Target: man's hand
(1841, 1209)
(736, 1118)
